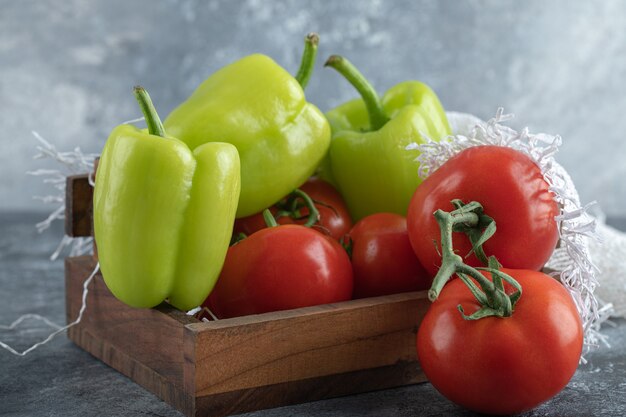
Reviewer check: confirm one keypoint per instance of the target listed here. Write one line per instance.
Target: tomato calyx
(478, 231)
(491, 295)
(293, 203)
(493, 298)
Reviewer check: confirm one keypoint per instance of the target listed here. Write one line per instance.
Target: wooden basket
(246, 363)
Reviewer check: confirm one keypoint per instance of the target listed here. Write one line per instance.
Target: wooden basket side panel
(296, 392)
(144, 344)
(314, 343)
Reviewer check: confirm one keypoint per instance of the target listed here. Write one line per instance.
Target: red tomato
(281, 268)
(502, 365)
(382, 258)
(512, 190)
(334, 217)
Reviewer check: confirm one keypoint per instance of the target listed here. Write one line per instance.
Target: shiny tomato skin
(512, 190)
(383, 259)
(334, 218)
(281, 268)
(502, 365)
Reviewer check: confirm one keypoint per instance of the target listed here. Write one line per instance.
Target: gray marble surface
(67, 67)
(59, 379)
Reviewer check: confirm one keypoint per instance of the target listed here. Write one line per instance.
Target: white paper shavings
(70, 163)
(571, 261)
(610, 257)
(58, 329)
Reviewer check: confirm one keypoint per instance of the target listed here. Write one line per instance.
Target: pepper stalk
(377, 115)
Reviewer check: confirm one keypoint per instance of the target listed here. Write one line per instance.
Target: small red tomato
(502, 365)
(382, 258)
(281, 268)
(511, 189)
(334, 219)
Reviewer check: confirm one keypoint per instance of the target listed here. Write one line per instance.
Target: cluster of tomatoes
(497, 365)
(291, 265)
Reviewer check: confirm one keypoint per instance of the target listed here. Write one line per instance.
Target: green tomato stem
(314, 214)
(270, 221)
(291, 207)
(155, 127)
(377, 116)
(237, 238)
(491, 294)
(449, 260)
(308, 59)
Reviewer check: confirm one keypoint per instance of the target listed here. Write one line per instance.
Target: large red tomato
(281, 268)
(382, 258)
(334, 218)
(502, 365)
(512, 190)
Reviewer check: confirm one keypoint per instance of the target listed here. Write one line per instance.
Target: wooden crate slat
(296, 392)
(255, 351)
(78, 206)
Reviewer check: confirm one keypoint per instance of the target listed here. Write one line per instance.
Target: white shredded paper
(571, 261)
(69, 163)
(58, 329)
(609, 254)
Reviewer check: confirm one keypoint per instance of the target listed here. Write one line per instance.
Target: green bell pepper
(367, 159)
(163, 214)
(260, 108)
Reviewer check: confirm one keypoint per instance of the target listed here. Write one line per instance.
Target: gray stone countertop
(60, 379)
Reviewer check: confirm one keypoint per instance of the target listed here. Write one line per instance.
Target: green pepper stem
(155, 127)
(493, 298)
(308, 59)
(377, 116)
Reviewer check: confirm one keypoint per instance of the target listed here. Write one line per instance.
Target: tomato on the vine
(382, 258)
(281, 268)
(334, 219)
(512, 190)
(503, 365)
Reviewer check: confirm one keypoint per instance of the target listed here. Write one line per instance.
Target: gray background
(67, 68)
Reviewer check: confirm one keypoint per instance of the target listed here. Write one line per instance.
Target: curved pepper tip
(312, 38)
(332, 60)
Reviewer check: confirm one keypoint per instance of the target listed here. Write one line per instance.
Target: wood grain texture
(306, 390)
(78, 206)
(305, 354)
(143, 344)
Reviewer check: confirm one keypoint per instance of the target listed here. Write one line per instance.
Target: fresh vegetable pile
(248, 199)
